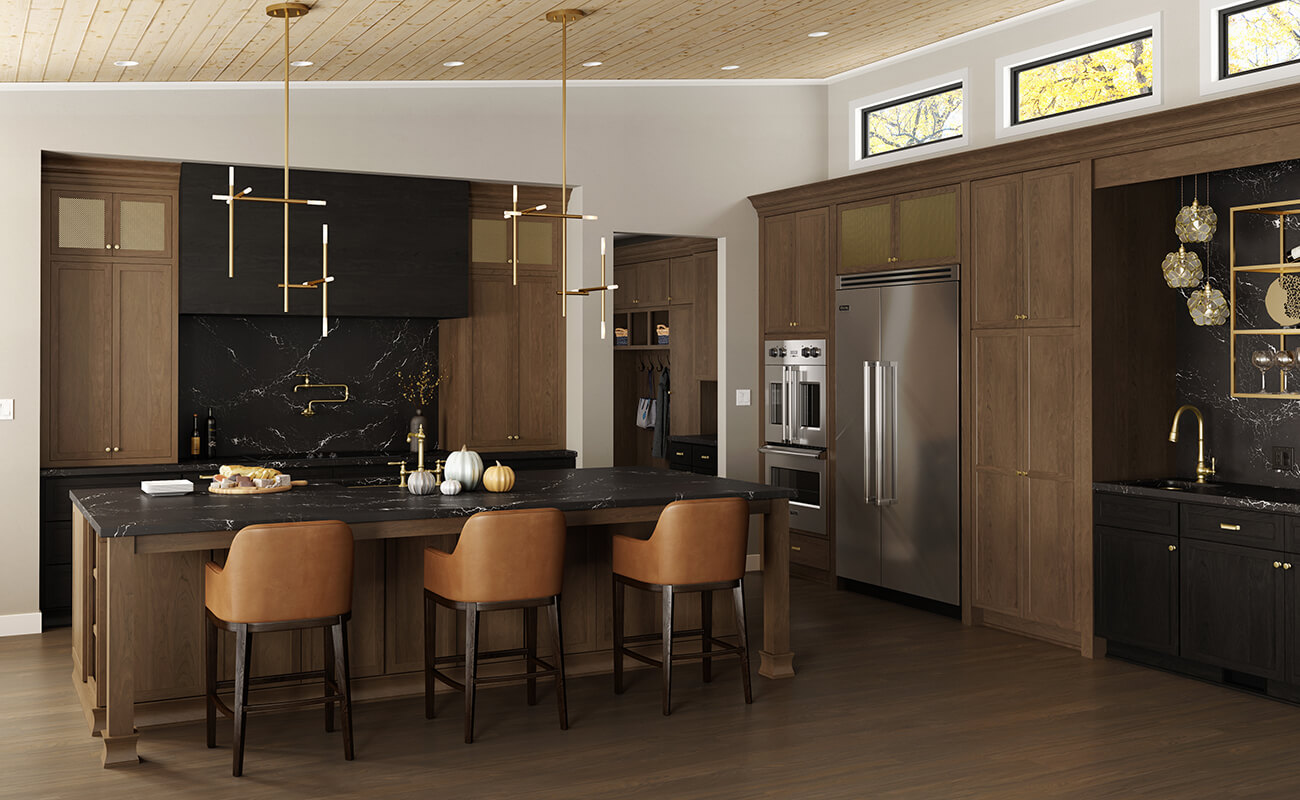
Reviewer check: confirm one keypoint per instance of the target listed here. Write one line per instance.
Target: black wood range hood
(398, 246)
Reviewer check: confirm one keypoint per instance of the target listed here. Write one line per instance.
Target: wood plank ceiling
(234, 40)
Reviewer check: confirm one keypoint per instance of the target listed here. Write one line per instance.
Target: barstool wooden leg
(668, 648)
(530, 645)
(738, 593)
(340, 636)
(706, 622)
(243, 651)
(331, 677)
(430, 652)
(471, 667)
(554, 610)
(210, 677)
(618, 635)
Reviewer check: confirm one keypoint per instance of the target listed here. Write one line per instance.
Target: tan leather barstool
(281, 577)
(697, 546)
(503, 560)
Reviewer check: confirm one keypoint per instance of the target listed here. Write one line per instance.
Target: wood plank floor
(889, 702)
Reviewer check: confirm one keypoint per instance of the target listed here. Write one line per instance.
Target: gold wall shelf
(1282, 209)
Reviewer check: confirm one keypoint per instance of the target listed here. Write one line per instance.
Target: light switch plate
(7, 408)
(742, 397)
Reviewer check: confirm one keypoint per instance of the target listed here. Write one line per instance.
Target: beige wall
(649, 158)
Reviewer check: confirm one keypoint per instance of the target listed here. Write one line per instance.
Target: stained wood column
(118, 669)
(775, 659)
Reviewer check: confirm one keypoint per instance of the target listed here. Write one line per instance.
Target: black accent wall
(245, 368)
(398, 246)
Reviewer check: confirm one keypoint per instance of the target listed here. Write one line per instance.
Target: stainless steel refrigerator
(897, 432)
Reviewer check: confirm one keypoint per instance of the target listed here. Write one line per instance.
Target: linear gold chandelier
(285, 11)
(563, 16)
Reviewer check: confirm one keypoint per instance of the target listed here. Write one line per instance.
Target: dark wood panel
(996, 541)
(539, 387)
(1050, 554)
(399, 246)
(1049, 418)
(1136, 513)
(78, 375)
(1231, 610)
(1293, 535)
(681, 280)
(652, 283)
(812, 274)
(706, 316)
(144, 345)
(1137, 588)
(684, 405)
(997, 291)
(997, 398)
(493, 364)
(1051, 282)
(1232, 526)
(778, 274)
(810, 551)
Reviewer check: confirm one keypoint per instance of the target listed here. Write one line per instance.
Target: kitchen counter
(1225, 495)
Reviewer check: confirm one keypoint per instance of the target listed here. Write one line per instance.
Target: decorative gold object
(1182, 269)
(1202, 471)
(418, 388)
(1196, 223)
(285, 11)
(401, 484)
(421, 480)
(307, 384)
(1207, 306)
(1282, 300)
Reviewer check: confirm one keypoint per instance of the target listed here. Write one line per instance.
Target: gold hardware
(108, 449)
(796, 548)
(403, 473)
(1285, 565)
(704, 458)
(117, 247)
(307, 384)
(1277, 565)
(115, 449)
(1202, 471)
(1173, 547)
(1228, 526)
(108, 247)
(679, 454)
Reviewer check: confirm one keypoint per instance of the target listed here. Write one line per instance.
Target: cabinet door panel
(625, 294)
(1049, 380)
(928, 228)
(143, 225)
(778, 274)
(684, 402)
(996, 541)
(681, 280)
(996, 292)
(81, 223)
(1049, 557)
(652, 280)
(1050, 270)
(1137, 588)
(995, 375)
(145, 354)
(493, 359)
(706, 316)
(1232, 607)
(866, 236)
(1292, 619)
(541, 372)
(811, 279)
(79, 377)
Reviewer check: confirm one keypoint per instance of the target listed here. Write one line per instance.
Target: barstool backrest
(511, 555)
(701, 541)
(287, 571)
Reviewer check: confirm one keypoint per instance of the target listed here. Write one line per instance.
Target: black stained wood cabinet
(689, 456)
(1233, 611)
(398, 246)
(1137, 588)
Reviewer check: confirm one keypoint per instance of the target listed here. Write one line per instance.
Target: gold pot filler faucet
(1202, 471)
(307, 384)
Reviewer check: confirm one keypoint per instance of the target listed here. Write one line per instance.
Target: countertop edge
(1221, 501)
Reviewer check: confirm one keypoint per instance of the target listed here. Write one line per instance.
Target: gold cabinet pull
(796, 548)
(1277, 565)
(679, 455)
(1285, 565)
(1173, 547)
(704, 458)
(1228, 526)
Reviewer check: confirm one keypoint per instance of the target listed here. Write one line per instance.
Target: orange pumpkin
(499, 478)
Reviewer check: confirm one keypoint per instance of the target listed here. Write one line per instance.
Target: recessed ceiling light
(301, 63)
(732, 66)
(126, 63)
(592, 63)
(818, 34)
(453, 63)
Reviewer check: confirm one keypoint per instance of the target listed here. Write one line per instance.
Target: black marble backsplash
(1240, 432)
(245, 369)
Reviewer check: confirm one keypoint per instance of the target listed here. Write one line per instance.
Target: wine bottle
(196, 441)
(212, 435)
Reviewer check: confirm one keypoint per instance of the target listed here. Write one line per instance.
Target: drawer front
(810, 551)
(681, 456)
(1293, 535)
(706, 460)
(1135, 513)
(1232, 526)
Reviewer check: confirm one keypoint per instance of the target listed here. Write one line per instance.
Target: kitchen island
(138, 583)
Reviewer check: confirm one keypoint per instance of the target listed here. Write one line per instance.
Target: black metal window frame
(1149, 33)
(869, 110)
(1223, 15)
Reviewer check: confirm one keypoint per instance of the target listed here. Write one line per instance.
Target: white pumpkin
(449, 487)
(420, 482)
(465, 466)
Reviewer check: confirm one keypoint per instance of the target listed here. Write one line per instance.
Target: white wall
(1183, 52)
(674, 160)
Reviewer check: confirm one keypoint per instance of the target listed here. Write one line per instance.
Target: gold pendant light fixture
(286, 12)
(563, 16)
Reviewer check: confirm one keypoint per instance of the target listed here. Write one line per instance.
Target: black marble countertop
(706, 439)
(1227, 495)
(287, 463)
(131, 512)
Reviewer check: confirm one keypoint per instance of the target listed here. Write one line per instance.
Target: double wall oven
(794, 425)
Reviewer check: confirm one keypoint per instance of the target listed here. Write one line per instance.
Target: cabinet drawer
(680, 456)
(810, 551)
(706, 460)
(1136, 513)
(1232, 526)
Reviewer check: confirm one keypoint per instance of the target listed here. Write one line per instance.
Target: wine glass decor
(1263, 361)
(1285, 362)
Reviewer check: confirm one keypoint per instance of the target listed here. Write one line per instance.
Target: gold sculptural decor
(1279, 347)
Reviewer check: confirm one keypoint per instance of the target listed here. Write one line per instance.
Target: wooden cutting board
(255, 490)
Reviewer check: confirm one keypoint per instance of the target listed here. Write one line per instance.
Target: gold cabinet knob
(1173, 547)
(794, 324)
(117, 247)
(115, 449)
(1285, 565)
(1277, 565)
(108, 247)
(108, 449)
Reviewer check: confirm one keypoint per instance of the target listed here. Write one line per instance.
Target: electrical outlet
(7, 408)
(742, 397)
(1283, 459)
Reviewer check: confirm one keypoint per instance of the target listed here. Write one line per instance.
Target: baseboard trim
(20, 624)
(754, 562)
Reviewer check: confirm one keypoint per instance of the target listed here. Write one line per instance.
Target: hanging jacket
(660, 447)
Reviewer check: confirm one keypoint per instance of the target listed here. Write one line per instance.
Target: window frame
(865, 112)
(858, 158)
(1220, 27)
(1017, 69)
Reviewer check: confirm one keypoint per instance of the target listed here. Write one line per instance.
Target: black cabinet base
(1232, 679)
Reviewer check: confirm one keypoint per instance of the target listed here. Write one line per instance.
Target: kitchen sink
(1173, 485)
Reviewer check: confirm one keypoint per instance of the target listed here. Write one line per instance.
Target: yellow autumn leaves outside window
(1261, 37)
(1113, 72)
(931, 117)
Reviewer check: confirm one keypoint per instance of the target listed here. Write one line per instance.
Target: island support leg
(118, 671)
(775, 659)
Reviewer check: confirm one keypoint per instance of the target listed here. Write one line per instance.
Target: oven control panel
(806, 352)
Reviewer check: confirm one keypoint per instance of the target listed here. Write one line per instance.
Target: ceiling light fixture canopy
(818, 34)
(453, 63)
(126, 63)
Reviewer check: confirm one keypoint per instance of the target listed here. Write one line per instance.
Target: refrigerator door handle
(888, 481)
(871, 455)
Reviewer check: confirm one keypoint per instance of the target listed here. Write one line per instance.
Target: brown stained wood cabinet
(1025, 248)
(644, 285)
(705, 293)
(110, 224)
(916, 229)
(795, 274)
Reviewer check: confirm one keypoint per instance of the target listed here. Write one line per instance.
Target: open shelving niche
(1282, 210)
(641, 326)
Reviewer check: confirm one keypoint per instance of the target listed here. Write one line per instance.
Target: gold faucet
(403, 473)
(1202, 471)
(307, 384)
